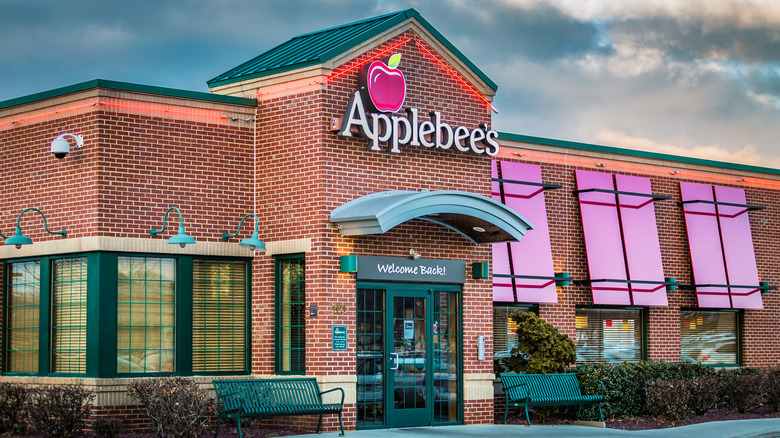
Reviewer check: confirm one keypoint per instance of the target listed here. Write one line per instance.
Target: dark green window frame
(704, 343)
(615, 353)
(290, 314)
(102, 302)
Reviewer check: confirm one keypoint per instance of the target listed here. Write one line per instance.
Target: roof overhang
(478, 218)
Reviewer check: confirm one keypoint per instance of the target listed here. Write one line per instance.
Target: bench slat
(259, 398)
(557, 389)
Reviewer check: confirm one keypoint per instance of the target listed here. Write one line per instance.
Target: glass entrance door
(408, 355)
(408, 358)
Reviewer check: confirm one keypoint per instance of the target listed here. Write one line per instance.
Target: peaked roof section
(318, 47)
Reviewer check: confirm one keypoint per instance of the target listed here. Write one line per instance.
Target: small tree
(541, 348)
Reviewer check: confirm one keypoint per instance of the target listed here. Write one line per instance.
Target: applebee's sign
(371, 112)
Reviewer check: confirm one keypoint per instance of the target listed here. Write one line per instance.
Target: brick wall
(663, 331)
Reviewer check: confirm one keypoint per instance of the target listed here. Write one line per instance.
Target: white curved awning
(478, 218)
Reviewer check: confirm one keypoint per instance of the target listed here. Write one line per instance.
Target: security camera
(60, 146)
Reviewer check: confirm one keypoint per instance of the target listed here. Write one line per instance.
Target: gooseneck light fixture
(182, 239)
(19, 239)
(252, 243)
(60, 146)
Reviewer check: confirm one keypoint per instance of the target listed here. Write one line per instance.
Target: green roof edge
(126, 86)
(398, 18)
(635, 153)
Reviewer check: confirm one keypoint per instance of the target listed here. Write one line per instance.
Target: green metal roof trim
(635, 153)
(318, 47)
(126, 86)
(478, 218)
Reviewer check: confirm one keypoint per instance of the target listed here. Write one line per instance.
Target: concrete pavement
(760, 428)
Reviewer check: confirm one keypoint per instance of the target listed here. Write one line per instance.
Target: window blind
(608, 335)
(69, 316)
(709, 337)
(219, 316)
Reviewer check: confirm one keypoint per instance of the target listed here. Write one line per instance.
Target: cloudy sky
(688, 77)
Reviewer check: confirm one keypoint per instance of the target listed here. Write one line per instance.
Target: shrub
(668, 398)
(60, 410)
(624, 383)
(107, 427)
(178, 407)
(13, 397)
(745, 392)
(541, 348)
(704, 394)
(772, 387)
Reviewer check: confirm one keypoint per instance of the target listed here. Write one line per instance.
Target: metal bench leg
(219, 420)
(239, 427)
(319, 424)
(527, 418)
(341, 423)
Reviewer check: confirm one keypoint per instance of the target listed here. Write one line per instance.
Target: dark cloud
(652, 75)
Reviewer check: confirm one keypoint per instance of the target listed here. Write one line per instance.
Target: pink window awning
(523, 271)
(721, 246)
(621, 239)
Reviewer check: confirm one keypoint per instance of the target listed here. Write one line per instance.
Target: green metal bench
(524, 390)
(261, 398)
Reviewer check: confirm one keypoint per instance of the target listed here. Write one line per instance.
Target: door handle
(397, 362)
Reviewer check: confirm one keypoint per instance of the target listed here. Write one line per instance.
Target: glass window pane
(709, 337)
(147, 316)
(290, 316)
(504, 336)
(609, 335)
(23, 310)
(69, 316)
(219, 316)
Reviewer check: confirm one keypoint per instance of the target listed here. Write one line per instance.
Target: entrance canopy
(478, 218)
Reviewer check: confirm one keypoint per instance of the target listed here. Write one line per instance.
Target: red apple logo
(386, 85)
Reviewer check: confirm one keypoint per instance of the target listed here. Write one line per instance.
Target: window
(504, 336)
(24, 305)
(218, 316)
(290, 323)
(710, 337)
(146, 309)
(69, 316)
(609, 335)
(105, 314)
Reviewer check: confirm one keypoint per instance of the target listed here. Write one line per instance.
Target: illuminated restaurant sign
(371, 113)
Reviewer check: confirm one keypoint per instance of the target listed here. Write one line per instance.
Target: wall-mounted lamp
(348, 263)
(251, 243)
(20, 239)
(60, 146)
(182, 239)
(562, 279)
(414, 254)
(480, 270)
(671, 283)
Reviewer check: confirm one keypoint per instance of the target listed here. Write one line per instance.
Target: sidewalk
(761, 428)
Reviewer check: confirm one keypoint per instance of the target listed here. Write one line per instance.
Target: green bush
(13, 398)
(705, 394)
(745, 392)
(772, 387)
(60, 410)
(668, 398)
(178, 407)
(541, 348)
(625, 394)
